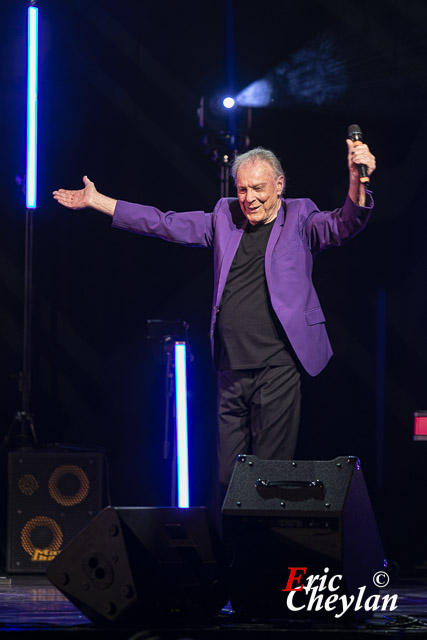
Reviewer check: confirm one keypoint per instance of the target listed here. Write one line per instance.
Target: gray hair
(259, 153)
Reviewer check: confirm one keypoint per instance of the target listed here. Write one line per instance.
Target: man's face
(259, 191)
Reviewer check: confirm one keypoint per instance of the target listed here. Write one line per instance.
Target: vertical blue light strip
(181, 423)
(31, 188)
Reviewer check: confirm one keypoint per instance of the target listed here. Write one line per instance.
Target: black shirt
(250, 333)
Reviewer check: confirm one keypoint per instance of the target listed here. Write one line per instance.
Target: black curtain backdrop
(119, 88)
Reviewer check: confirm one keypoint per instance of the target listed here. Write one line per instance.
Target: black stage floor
(30, 604)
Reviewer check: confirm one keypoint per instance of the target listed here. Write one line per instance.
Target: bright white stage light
(31, 187)
(181, 424)
(228, 103)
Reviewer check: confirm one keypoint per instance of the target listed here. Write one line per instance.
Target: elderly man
(267, 321)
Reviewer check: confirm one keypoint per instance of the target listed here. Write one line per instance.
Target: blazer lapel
(274, 236)
(229, 253)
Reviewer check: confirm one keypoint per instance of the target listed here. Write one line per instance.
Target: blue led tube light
(31, 183)
(181, 424)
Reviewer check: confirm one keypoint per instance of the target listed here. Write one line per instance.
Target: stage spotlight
(225, 127)
(228, 102)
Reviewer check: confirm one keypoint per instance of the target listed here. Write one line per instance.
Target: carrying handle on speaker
(289, 483)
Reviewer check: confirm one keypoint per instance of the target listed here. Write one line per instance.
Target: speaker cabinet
(136, 563)
(52, 495)
(312, 515)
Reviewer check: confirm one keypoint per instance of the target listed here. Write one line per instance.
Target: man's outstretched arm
(194, 228)
(86, 197)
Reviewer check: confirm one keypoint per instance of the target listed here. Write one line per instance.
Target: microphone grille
(354, 132)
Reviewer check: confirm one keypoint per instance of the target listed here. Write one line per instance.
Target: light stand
(224, 135)
(23, 423)
(27, 435)
(225, 170)
(173, 339)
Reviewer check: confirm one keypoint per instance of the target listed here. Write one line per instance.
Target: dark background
(119, 87)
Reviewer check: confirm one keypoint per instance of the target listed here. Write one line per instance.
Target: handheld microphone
(355, 134)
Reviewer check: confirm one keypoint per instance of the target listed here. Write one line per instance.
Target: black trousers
(259, 413)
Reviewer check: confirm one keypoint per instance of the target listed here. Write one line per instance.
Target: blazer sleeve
(194, 228)
(324, 229)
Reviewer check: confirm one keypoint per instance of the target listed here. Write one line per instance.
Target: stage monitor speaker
(311, 515)
(143, 563)
(52, 495)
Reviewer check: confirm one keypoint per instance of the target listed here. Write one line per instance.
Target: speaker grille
(52, 496)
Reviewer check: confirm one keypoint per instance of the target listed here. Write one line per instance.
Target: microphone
(355, 134)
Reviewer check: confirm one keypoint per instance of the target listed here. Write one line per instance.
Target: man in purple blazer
(267, 321)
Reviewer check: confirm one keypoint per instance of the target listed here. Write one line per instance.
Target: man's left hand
(360, 154)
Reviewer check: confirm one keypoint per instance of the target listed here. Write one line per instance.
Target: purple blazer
(299, 233)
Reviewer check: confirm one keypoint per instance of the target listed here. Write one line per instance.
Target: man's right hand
(78, 199)
(87, 197)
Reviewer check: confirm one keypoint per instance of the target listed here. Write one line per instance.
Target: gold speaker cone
(28, 484)
(35, 523)
(55, 492)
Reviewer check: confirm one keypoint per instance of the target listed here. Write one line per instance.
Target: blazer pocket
(314, 316)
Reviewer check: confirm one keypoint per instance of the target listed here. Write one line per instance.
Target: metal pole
(26, 350)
